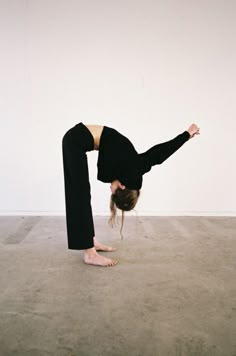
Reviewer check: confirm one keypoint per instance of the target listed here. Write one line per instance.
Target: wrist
(189, 133)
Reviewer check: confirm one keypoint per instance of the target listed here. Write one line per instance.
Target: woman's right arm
(160, 152)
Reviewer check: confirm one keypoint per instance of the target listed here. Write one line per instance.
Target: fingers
(196, 133)
(195, 129)
(121, 186)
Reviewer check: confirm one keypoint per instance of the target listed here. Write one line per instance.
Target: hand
(116, 184)
(193, 130)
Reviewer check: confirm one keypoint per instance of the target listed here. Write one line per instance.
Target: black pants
(79, 219)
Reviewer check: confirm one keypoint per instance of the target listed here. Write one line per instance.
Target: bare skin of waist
(96, 131)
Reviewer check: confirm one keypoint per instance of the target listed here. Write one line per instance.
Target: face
(116, 184)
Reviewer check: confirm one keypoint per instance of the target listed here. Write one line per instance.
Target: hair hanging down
(125, 200)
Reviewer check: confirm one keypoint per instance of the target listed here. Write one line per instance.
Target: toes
(111, 263)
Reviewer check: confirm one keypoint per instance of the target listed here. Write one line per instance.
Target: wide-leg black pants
(79, 219)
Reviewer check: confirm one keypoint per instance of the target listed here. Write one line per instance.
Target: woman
(119, 164)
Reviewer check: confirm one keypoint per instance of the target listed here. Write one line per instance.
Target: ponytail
(125, 200)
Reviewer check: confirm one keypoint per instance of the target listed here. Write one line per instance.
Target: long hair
(125, 200)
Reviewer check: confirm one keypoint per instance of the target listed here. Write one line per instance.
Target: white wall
(147, 68)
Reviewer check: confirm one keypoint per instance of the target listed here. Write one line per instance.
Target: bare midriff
(96, 131)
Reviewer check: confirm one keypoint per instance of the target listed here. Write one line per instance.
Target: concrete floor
(172, 294)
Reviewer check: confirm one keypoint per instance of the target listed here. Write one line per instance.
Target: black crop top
(118, 158)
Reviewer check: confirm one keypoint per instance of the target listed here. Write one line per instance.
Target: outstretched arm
(160, 152)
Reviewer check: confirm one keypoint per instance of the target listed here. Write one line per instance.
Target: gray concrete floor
(172, 294)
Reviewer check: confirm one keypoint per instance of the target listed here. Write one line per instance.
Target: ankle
(95, 241)
(90, 251)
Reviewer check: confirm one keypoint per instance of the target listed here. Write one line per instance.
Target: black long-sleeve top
(118, 158)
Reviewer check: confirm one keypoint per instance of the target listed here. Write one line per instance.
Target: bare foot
(91, 257)
(100, 247)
